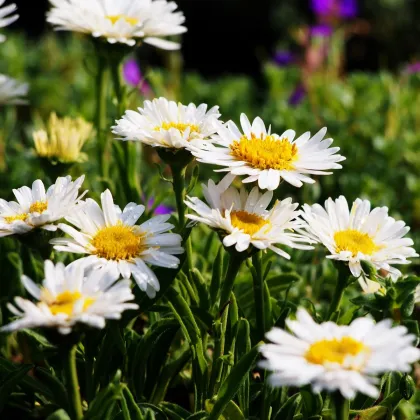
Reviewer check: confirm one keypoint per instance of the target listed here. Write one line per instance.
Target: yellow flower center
(179, 126)
(334, 351)
(64, 302)
(115, 18)
(354, 241)
(119, 242)
(38, 207)
(265, 153)
(250, 223)
(10, 219)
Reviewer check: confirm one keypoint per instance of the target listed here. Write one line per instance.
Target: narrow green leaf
(11, 381)
(59, 415)
(232, 383)
(56, 387)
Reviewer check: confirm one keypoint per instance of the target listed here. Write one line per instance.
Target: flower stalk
(101, 114)
(128, 165)
(342, 282)
(72, 383)
(258, 279)
(341, 407)
(235, 261)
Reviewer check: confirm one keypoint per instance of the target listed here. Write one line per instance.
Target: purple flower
(413, 68)
(133, 76)
(132, 72)
(321, 31)
(160, 209)
(297, 95)
(283, 58)
(348, 9)
(342, 8)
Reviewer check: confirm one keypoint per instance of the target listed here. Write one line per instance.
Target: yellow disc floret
(334, 351)
(119, 242)
(115, 18)
(194, 128)
(265, 152)
(354, 241)
(11, 219)
(64, 302)
(38, 207)
(249, 223)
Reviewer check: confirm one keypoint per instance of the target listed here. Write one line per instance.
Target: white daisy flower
(6, 16)
(266, 157)
(113, 240)
(332, 357)
(245, 220)
(359, 234)
(122, 21)
(67, 298)
(12, 92)
(39, 208)
(163, 123)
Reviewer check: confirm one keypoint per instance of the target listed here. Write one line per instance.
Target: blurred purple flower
(321, 31)
(160, 209)
(413, 68)
(133, 75)
(283, 58)
(344, 8)
(297, 95)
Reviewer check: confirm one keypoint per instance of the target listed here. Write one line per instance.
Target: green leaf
(145, 347)
(105, 400)
(288, 409)
(11, 381)
(59, 415)
(57, 389)
(174, 411)
(201, 415)
(232, 383)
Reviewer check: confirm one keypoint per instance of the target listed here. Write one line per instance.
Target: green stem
(235, 262)
(342, 278)
(259, 294)
(72, 383)
(341, 407)
(128, 168)
(101, 113)
(178, 178)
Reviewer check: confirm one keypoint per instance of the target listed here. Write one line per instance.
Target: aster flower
(267, 157)
(122, 21)
(333, 357)
(134, 77)
(67, 298)
(163, 123)
(160, 209)
(413, 68)
(359, 234)
(112, 239)
(283, 58)
(335, 8)
(37, 208)
(6, 16)
(63, 139)
(12, 92)
(244, 221)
